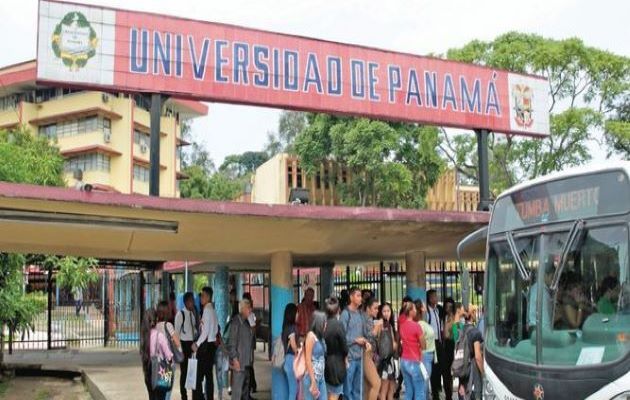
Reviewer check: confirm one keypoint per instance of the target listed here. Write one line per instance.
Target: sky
(420, 27)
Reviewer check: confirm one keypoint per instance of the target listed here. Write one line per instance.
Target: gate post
(484, 175)
(382, 283)
(49, 290)
(416, 275)
(105, 307)
(348, 278)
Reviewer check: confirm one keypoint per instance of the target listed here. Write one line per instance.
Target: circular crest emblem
(523, 105)
(74, 40)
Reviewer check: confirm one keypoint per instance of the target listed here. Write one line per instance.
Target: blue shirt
(354, 324)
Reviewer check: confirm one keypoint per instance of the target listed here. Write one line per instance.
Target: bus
(557, 287)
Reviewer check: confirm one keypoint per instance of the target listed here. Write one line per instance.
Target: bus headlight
(622, 396)
(488, 390)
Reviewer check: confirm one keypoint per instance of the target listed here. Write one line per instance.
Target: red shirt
(410, 339)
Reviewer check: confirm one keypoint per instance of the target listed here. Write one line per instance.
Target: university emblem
(539, 392)
(523, 105)
(74, 41)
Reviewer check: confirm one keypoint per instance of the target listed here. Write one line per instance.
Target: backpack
(299, 364)
(277, 359)
(178, 354)
(462, 356)
(385, 345)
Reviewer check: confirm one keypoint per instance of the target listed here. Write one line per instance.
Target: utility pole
(484, 176)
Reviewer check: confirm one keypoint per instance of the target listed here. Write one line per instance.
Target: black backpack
(462, 356)
(385, 345)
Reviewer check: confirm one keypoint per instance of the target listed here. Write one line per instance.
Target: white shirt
(252, 319)
(209, 325)
(433, 317)
(185, 325)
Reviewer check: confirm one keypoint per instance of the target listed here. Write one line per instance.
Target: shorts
(335, 389)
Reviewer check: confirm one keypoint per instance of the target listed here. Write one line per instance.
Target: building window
(290, 176)
(76, 127)
(141, 138)
(318, 181)
(88, 162)
(344, 176)
(299, 177)
(326, 179)
(9, 102)
(140, 173)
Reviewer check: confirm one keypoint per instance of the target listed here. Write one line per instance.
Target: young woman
(336, 350)
(411, 338)
(164, 325)
(152, 342)
(388, 369)
(289, 339)
(428, 355)
(314, 356)
(373, 327)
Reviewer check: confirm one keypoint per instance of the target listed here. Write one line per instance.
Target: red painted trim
(196, 107)
(143, 162)
(95, 148)
(104, 188)
(181, 142)
(178, 265)
(10, 125)
(133, 109)
(44, 193)
(174, 157)
(20, 74)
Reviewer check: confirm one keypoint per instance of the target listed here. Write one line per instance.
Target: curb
(92, 388)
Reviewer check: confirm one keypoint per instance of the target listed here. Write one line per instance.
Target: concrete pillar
(221, 295)
(188, 279)
(239, 286)
(281, 295)
(326, 281)
(416, 281)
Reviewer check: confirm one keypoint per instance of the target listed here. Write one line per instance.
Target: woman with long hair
(336, 350)
(411, 339)
(372, 380)
(289, 340)
(429, 356)
(166, 328)
(387, 352)
(152, 343)
(315, 359)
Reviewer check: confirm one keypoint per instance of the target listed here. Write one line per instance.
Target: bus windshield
(584, 320)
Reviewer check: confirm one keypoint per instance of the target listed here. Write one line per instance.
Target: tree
(215, 185)
(240, 165)
(74, 272)
(618, 130)
(391, 164)
(585, 86)
(290, 124)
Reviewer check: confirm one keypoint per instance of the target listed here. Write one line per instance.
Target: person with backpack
(154, 347)
(354, 326)
(468, 358)
(186, 329)
(168, 330)
(412, 339)
(315, 358)
(286, 348)
(388, 369)
(336, 351)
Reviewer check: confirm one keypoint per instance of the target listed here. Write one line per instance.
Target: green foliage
(74, 272)
(213, 186)
(239, 165)
(29, 159)
(391, 164)
(290, 124)
(618, 130)
(585, 88)
(16, 309)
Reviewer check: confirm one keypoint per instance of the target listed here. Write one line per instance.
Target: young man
(186, 328)
(206, 347)
(252, 322)
(354, 325)
(471, 388)
(440, 371)
(240, 351)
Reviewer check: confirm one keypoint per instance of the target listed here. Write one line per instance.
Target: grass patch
(42, 395)
(4, 386)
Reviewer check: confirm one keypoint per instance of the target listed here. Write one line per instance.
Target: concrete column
(281, 295)
(188, 280)
(221, 294)
(416, 281)
(326, 281)
(239, 286)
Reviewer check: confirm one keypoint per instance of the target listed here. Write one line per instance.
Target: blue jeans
(413, 379)
(427, 360)
(354, 381)
(306, 388)
(290, 375)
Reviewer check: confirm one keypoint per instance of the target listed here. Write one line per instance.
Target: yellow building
(273, 181)
(105, 135)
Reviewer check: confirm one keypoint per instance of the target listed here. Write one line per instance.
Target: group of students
(175, 337)
(357, 350)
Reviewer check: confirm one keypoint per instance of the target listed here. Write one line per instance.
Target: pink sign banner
(96, 47)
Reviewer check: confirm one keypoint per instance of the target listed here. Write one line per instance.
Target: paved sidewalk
(112, 374)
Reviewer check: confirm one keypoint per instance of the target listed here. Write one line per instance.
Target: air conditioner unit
(107, 137)
(144, 148)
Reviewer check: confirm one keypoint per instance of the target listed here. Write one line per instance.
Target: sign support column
(416, 273)
(281, 295)
(484, 175)
(154, 155)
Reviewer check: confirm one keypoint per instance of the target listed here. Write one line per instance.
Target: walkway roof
(35, 219)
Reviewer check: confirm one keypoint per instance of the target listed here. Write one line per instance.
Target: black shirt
(336, 352)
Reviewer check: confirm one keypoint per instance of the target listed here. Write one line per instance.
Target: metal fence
(105, 314)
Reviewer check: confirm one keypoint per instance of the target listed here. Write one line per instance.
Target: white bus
(557, 289)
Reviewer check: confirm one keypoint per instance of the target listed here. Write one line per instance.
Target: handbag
(161, 371)
(178, 354)
(299, 364)
(191, 374)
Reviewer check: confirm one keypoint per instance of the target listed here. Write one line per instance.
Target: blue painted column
(416, 281)
(220, 287)
(281, 295)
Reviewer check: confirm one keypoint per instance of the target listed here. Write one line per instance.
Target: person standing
(471, 387)
(289, 341)
(354, 325)
(252, 323)
(153, 343)
(336, 351)
(372, 383)
(315, 360)
(186, 329)
(411, 339)
(305, 313)
(388, 348)
(239, 349)
(428, 354)
(435, 318)
(205, 347)
(167, 329)
(449, 342)
(401, 318)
